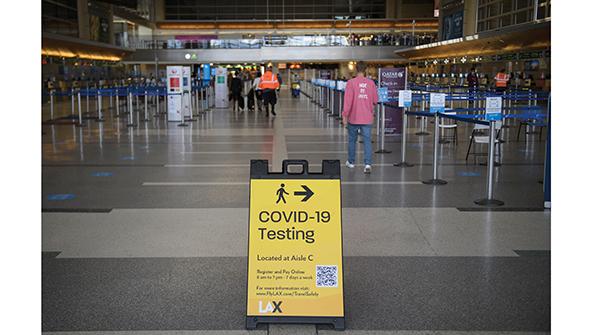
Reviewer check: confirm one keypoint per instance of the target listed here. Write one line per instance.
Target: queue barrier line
(120, 90)
(489, 200)
(126, 92)
(473, 118)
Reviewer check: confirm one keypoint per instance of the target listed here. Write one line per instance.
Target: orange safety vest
(501, 79)
(268, 81)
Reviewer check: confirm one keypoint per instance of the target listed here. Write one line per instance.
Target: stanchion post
(196, 102)
(331, 94)
(208, 98)
(435, 180)
(183, 118)
(328, 100)
(157, 96)
(117, 103)
(339, 115)
(146, 107)
(403, 162)
(318, 95)
(99, 107)
(422, 129)
(191, 108)
(130, 113)
(136, 99)
(87, 98)
(382, 132)
(72, 102)
(52, 105)
(80, 124)
(489, 199)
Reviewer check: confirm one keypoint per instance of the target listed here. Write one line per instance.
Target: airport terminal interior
(158, 134)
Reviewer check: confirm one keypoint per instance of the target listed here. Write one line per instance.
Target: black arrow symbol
(307, 194)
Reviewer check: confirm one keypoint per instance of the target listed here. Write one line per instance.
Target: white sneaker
(368, 169)
(349, 165)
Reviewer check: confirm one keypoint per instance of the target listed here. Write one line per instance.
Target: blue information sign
(382, 94)
(206, 71)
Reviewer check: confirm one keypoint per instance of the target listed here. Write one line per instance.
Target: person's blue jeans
(366, 131)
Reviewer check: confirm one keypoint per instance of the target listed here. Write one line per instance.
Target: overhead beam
(527, 37)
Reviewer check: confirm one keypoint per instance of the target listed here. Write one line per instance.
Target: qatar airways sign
(395, 74)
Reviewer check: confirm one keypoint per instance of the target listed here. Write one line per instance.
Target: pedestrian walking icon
(281, 194)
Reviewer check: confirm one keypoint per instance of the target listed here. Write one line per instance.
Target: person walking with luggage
(358, 114)
(268, 84)
(257, 91)
(236, 93)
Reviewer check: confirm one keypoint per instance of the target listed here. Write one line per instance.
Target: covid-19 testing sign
(295, 257)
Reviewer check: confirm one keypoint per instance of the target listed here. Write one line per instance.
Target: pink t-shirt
(360, 97)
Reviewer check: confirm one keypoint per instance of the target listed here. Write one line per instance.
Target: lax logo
(271, 307)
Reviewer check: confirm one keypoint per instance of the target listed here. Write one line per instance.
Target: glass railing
(183, 42)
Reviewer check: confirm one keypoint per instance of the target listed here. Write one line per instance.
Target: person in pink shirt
(358, 114)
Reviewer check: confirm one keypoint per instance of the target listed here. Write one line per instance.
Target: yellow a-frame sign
(295, 256)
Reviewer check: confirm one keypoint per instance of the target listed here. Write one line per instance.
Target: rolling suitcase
(241, 102)
(251, 100)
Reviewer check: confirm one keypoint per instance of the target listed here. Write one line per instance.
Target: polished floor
(144, 228)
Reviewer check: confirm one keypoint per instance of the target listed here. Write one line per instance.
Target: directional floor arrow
(307, 193)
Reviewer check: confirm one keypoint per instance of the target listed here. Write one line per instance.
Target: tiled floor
(144, 229)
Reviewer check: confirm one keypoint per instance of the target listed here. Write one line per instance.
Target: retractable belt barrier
(531, 112)
(131, 94)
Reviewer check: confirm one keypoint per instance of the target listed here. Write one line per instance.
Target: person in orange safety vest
(268, 84)
(501, 79)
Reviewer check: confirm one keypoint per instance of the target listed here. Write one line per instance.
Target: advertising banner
(221, 89)
(394, 79)
(174, 93)
(206, 72)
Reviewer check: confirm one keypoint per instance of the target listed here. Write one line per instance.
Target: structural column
(83, 19)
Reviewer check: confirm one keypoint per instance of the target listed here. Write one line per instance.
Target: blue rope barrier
(480, 119)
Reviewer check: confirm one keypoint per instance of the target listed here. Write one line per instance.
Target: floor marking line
(381, 183)
(317, 142)
(243, 183)
(226, 152)
(204, 165)
(190, 183)
(316, 152)
(76, 210)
